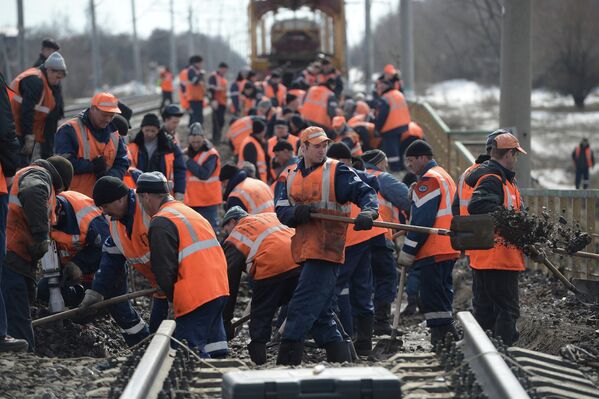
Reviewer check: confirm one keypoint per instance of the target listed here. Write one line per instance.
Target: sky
(226, 18)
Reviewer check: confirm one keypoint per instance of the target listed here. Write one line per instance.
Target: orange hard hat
(390, 69)
(106, 102)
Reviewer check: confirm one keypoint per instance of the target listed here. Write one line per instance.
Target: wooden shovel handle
(581, 254)
(559, 275)
(385, 225)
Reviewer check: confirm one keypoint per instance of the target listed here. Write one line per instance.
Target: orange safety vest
(220, 90)
(387, 211)
(464, 190)
(300, 94)
(356, 237)
(166, 82)
(587, 153)
(240, 85)
(202, 275)
(194, 92)
(438, 245)
(238, 132)
(500, 257)
(282, 177)
(274, 140)
(413, 131)
(18, 234)
(318, 239)
(169, 162)
(266, 244)
(261, 158)
(203, 192)
(247, 104)
(255, 196)
(356, 149)
(279, 95)
(399, 114)
(69, 245)
(315, 106)
(3, 187)
(183, 83)
(41, 110)
(360, 121)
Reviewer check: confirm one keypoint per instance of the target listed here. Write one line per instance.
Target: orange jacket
(41, 110)
(203, 192)
(90, 148)
(194, 92)
(279, 95)
(220, 90)
(183, 83)
(318, 239)
(500, 257)
(18, 234)
(587, 154)
(202, 275)
(315, 106)
(387, 211)
(166, 81)
(261, 158)
(255, 196)
(399, 114)
(265, 243)
(238, 132)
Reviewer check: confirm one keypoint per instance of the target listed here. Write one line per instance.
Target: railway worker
(393, 75)
(251, 195)
(36, 102)
(238, 130)
(152, 150)
(320, 104)
(93, 145)
(281, 133)
(203, 190)
(284, 159)
(431, 207)
(195, 89)
(297, 124)
(49, 46)
(308, 77)
(261, 246)
(275, 90)
(392, 121)
(9, 148)
(495, 271)
(318, 245)
(249, 98)
(252, 149)
(171, 118)
(295, 97)
(235, 91)
(189, 265)
(329, 71)
(182, 88)
(79, 233)
(217, 87)
(584, 160)
(346, 135)
(394, 205)
(166, 87)
(413, 133)
(31, 211)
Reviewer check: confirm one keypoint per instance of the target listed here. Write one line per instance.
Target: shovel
(588, 288)
(467, 232)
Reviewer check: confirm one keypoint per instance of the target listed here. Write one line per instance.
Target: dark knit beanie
(126, 112)
(227, 171)
(339, 151)
(150, 120)
(373, 156)
(418, 148)
(281, 122)
(152, 182)
(282, 145)
(289, 98)
(64, 169)
(258, 126)
(109, 189)
(121, 124)
(56, 179)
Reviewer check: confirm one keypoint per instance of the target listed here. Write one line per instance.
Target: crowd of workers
(299, 155)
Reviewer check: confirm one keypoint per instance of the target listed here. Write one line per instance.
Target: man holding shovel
(431, 207)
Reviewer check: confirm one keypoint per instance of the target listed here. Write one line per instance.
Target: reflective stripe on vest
(38, 107)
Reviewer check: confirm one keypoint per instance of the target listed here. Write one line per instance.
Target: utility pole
(190, 44)
(97, 72)
(21, 37)
(407, 46)
(136, 50)
(368, 53)
(515, 78)
(173, 48)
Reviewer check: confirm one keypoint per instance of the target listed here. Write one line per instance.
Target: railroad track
(474, 367)
(141, 103)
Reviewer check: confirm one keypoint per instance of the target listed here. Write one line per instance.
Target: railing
(454, 151)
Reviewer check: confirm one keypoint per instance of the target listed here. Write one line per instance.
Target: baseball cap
(106, 102)
(507, 141)
(390, 69)
(313, 135)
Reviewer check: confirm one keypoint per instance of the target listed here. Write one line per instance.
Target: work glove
(38, 249)
(364, 220)
(301, 214)
(179, 196)
(28, 143)
(71, 274)
(99, 165)
(90, 298)
(536, 254)
(405, 259)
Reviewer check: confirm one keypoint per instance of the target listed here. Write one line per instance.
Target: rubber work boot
(290, 353)
(363, 328)
(10, 344)
(439, 333)
(382, 312)
(257, 352)
(338, 352)
(412, 307)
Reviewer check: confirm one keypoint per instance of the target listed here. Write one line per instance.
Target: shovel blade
(588, 288)
(385, 348)
(472, 232)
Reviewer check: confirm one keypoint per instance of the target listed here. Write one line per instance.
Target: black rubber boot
(290, 353)
(363, 329)
(10, 344)
(257, 352)
(382, 312)
(338, 352)
(438, 334)
(412, 307)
